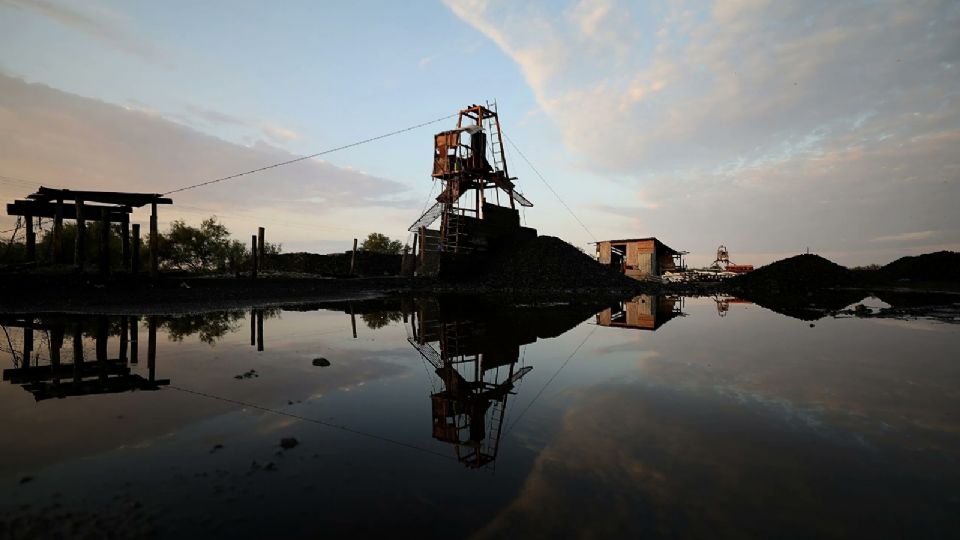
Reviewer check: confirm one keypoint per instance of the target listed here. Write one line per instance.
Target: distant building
(639, 257)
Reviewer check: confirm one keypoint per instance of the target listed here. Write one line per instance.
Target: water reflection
(644, 312)
(51, 377)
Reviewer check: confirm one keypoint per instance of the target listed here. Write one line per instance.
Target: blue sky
(765, 126)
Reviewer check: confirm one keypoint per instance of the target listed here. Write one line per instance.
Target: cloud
(280, 134)
(905, 237)
(96, 22)
(72, 141)
(780, 125)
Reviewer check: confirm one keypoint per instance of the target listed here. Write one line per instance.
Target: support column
(27, 343)
(154, 241)
(104, 242)
(56, 343)
(125, 243)
(77, 351)
(253, 327)
(58, 233)
(31, 240)
(124, 325)
(353, 322)
(80, 242)
(152, 347)
(102, 344)
(260, 330)
(261, 250)
(135, 339)
(253, 257)
(135, 263)
(353, 257)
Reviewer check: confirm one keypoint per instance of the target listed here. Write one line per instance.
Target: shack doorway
(618, 257)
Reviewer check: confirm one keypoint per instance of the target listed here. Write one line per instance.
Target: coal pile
(336, 264)
(942, 266)
(801, 272)
(547, 262)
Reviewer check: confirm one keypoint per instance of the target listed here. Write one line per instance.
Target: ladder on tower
(493, 134)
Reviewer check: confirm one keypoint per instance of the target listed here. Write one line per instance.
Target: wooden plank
(107, 197)
(118, 214)
(79, 245)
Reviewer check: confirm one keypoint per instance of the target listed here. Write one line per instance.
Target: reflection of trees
(379, 319)
(210, 326)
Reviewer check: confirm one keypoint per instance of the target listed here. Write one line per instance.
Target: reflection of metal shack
(639, 257)
(646, 312)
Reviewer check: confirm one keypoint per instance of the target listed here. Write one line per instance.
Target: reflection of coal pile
(80, 377)
(474, 349)
(644, 312)
(798, 287)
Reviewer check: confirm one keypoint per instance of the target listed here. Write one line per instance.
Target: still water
(660, 416)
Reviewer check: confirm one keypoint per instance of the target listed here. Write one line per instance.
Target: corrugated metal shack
(639, 257)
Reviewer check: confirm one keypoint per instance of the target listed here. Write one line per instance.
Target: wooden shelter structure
(639, 257)
(104, 206)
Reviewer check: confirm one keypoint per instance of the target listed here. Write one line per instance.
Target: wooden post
(124, 323)
(261, 250)
(353, 257)
(104, 242)
(80, 243)
(135, 262)
(253, 327)
(353, 322)
(125, 243)
(31, 240)
(135, 339)
(154, 241)
(27, 343)
(58, 233)
(152, 347)
(77, 352)
(259, 330)
(56, 343)
(423, 244)
(253, 257)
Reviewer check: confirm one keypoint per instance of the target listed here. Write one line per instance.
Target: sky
(771, 127)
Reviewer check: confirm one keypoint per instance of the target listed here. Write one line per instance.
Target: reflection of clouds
(631, 460)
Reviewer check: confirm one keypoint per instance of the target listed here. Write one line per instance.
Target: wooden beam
(106, 197)
(353, 257)
(261, 250)
(253, 257)
(118, 214)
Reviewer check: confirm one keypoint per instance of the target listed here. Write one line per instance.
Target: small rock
(270, 467)
(288, 442)
(322, 362)
(27, 479)
(216, 447)
(183, 285)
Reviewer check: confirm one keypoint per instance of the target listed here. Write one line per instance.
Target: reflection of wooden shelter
(110, 207)
(639, 257)
(81, 377)
(644, 312)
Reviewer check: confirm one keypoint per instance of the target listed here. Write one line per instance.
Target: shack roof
(631, 240)
(105, 197)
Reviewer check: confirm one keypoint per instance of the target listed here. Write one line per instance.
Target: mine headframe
(471, 166)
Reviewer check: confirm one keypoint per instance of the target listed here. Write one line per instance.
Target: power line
(544, 180)
(312, 420)
(545, 385)
(311, 156)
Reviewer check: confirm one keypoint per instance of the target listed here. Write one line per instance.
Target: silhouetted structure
(113, 207)
(81, 376)
(639, 257)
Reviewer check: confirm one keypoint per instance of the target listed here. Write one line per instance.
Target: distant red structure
(723, 262)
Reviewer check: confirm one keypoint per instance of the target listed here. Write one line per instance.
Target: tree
(208, 247)
(381, 243)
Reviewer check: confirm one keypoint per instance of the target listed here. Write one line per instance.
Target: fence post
(353, 257)
(253, 257)
(261, 250)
